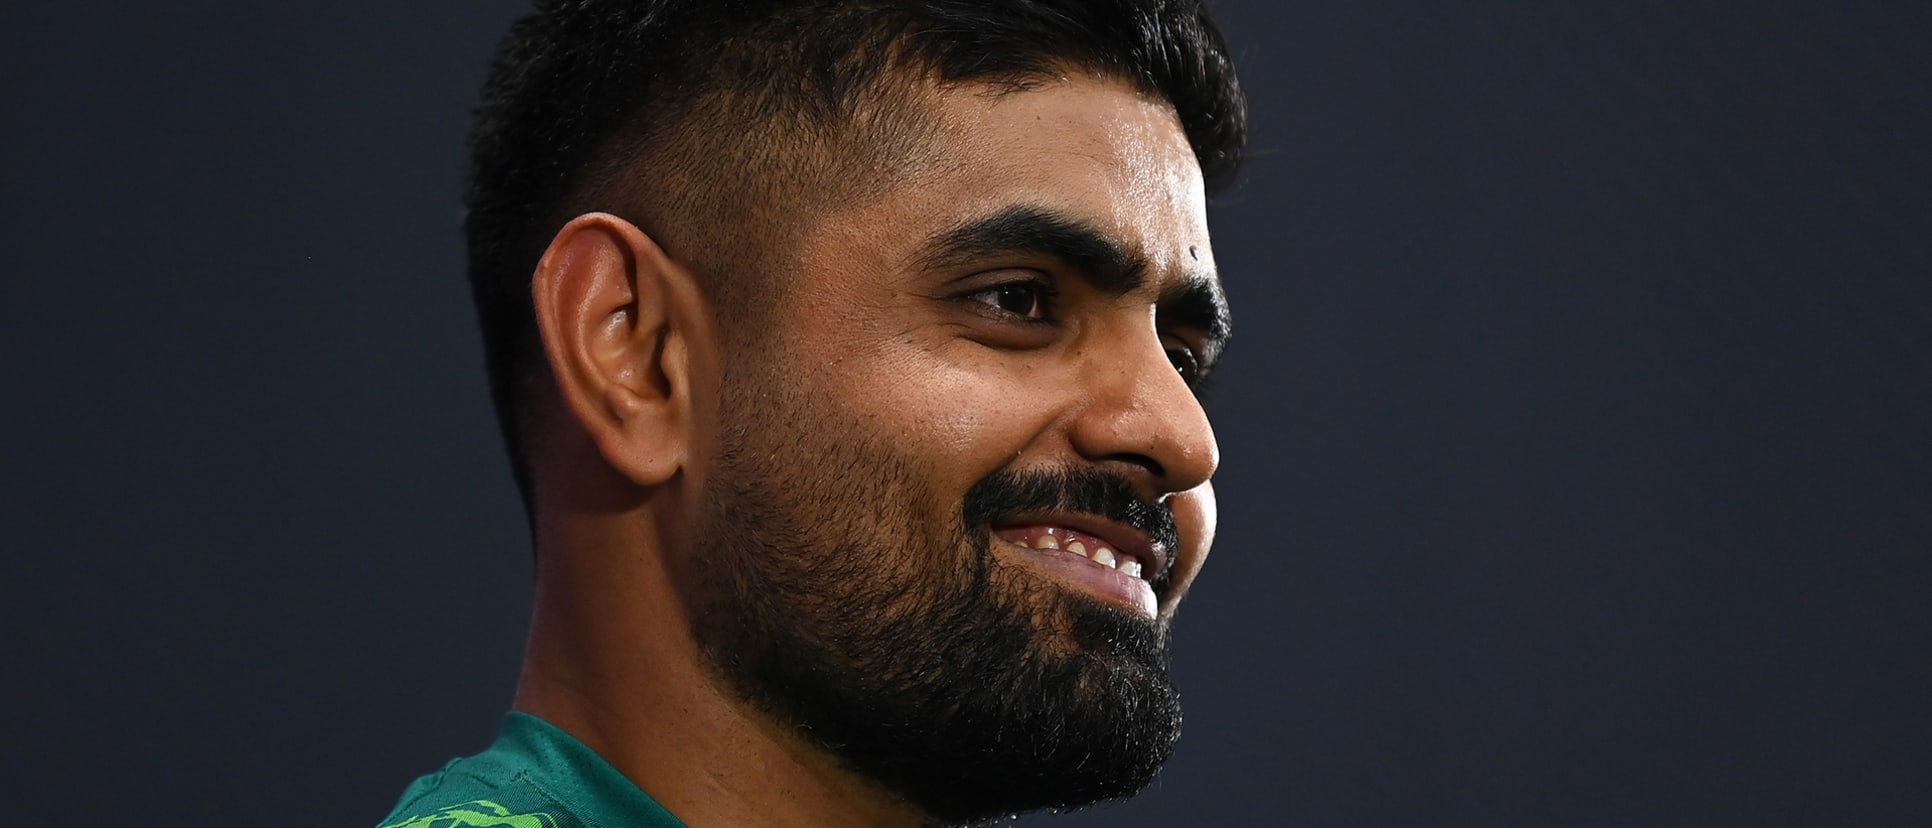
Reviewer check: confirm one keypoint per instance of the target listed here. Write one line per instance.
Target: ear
(617, 317)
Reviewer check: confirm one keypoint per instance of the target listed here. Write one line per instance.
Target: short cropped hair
(708, 122)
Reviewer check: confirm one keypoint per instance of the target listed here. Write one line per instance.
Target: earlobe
(608, 303)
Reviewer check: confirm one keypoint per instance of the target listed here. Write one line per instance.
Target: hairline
(822, 169)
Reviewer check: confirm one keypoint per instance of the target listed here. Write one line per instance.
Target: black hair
(733, 108)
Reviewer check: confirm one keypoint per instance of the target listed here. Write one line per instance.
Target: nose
(1140, 416)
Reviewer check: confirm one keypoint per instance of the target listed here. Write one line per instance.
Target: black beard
(898, 643)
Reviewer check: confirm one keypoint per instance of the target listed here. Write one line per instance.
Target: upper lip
(1154, 557)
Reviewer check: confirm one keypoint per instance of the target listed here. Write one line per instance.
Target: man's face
(937, 535)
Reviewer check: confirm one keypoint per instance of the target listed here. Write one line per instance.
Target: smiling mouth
(1087, 563)
(1047, 538)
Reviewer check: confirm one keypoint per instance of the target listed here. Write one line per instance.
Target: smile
(1104, 560)
(1078, 543)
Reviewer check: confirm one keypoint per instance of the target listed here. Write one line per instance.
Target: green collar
(572, 775)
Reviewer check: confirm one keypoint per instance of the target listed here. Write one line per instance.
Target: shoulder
(523, 781)
(476, 792)
(478, 812)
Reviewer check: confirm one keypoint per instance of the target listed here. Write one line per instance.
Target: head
(939, 295)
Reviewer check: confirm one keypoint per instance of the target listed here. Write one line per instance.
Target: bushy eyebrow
(1028, 229)
(1199, 303)
(1196, 301)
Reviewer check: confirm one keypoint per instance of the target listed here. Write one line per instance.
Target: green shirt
(535, 776)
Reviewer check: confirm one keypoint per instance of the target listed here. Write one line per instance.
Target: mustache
(1090, 491)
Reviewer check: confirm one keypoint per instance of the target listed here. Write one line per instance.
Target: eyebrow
(1196, 301)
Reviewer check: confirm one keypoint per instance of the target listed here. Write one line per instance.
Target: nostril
(1142, 464)
(1148, 426)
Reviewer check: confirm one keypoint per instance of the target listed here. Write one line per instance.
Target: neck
(611, 661)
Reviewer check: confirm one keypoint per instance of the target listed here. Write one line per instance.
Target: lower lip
(1105, 583)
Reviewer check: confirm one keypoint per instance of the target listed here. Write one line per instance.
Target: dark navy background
(1578, 428)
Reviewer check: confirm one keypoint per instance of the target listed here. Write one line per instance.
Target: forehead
(1090, 148)
(1074, 139)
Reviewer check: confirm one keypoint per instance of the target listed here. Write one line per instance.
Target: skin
(924, 354)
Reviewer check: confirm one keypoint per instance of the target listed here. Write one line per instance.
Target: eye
(1185, 362)
(1027, 299)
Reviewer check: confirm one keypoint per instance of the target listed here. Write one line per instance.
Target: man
(847, 355)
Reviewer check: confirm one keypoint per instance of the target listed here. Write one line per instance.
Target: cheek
(973, 409)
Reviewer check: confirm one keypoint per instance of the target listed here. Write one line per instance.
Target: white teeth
(1100, 554)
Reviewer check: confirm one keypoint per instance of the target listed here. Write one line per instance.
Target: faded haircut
(715, 124)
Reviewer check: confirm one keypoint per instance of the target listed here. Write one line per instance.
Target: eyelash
(1191, 371)
(1044, 297)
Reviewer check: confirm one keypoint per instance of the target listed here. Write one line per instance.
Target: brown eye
(1028, 299)
(1185, 363)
